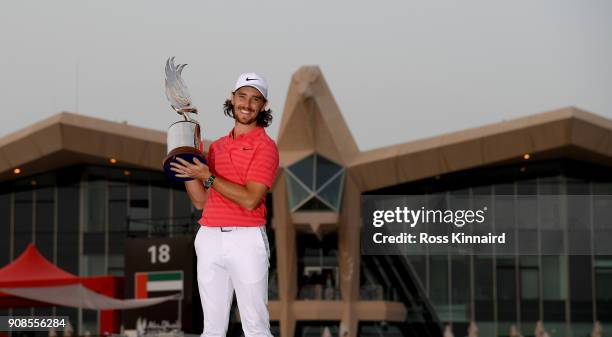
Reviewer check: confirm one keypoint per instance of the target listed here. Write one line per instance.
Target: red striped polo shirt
(250, 157)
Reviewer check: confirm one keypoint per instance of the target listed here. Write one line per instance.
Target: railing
(318, 292)
(381, 329)
(372, 292)
(397, 276)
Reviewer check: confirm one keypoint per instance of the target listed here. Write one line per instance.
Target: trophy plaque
(183, 139)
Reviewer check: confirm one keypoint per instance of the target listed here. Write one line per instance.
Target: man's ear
(231, 97)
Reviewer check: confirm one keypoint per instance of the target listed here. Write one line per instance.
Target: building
(78, 186)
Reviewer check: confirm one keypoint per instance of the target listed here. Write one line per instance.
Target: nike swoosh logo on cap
(251, 79)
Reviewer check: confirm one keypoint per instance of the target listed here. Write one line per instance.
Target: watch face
(208, 183)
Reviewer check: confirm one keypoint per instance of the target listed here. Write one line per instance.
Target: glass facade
(318, 273)
(567, 292)
(79, 217)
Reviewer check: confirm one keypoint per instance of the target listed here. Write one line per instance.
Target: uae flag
(158, 283)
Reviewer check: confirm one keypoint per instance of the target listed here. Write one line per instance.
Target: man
(231, 244)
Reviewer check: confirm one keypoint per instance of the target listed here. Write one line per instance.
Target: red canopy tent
(31, 269)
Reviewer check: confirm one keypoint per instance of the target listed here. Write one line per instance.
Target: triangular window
(315, 183)
(297, 193)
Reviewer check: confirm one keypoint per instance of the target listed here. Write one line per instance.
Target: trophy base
(186, 153)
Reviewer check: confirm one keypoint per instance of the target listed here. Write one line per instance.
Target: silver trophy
(183, 138)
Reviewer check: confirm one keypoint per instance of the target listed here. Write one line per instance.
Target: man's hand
(185, 169)
(248, 196)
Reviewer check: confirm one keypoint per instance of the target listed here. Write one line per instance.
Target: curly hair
(264, 118)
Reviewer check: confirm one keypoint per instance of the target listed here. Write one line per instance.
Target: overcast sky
(399, 70)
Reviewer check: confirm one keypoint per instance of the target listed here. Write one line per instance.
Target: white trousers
(233, 258)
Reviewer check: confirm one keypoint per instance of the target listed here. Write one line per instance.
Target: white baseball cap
(253, 80)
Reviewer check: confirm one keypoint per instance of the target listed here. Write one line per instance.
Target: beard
(244, 119)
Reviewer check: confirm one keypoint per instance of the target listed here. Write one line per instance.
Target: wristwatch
(208, 183)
